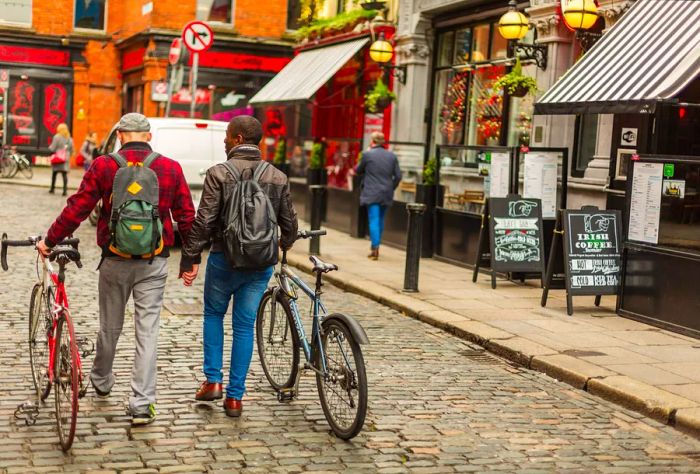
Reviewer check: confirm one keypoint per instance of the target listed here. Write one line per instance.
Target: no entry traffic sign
(175, 50)
(197, 36)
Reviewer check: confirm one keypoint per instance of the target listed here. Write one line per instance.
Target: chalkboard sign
(592, 250)
(516, 234)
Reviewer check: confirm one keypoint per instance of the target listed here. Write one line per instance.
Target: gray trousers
(119, 279)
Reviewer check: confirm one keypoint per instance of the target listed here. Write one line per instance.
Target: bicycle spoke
(339, 385)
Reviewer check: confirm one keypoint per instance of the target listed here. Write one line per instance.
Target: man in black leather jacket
(243, 135)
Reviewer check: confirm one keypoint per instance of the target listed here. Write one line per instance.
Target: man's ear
(149, 136)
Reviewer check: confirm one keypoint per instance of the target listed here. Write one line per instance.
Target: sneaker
(100, 394)
(141, 419)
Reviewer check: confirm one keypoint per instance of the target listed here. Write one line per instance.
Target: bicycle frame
(284, 277)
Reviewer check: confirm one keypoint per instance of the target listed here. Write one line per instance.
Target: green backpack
(135, 227)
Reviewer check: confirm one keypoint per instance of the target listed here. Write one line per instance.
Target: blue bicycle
(333, 353)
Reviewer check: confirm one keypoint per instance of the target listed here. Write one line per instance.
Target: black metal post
(416, 212)
(317, 192)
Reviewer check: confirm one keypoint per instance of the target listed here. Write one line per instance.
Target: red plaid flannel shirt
(175, 198)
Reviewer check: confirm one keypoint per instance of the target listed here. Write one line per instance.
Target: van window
(184, 143)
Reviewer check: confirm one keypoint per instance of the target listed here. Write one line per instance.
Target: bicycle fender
(355, 328)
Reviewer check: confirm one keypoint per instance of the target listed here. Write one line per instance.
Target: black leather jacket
(218, 183)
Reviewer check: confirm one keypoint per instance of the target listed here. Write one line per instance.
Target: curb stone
(650, 401)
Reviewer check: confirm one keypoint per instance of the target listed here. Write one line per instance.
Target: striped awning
(307, 72)
(649, 56)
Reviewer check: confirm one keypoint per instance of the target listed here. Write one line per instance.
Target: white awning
(649, 56)
(307, 72)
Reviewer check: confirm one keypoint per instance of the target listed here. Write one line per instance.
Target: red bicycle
(54, 350)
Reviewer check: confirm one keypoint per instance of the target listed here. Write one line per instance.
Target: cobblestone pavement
(437, 403)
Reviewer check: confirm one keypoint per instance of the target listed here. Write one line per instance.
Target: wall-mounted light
(581, 16)
(381, 52)
(513, 26)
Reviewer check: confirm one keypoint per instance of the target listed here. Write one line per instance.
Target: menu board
(645, 202)
(592, 251)
(516, 234)
(540, 180)
(499, 175)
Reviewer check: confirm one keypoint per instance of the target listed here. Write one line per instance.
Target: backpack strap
(150, 159)
(260, 169)
(233, 170)
(119, 159)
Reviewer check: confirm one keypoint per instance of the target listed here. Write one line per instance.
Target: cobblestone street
(437, 403)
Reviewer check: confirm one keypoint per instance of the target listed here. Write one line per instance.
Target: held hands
(189, 277)
(43, 249)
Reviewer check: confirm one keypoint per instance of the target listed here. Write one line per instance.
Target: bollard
(416, 212)
(316, 213)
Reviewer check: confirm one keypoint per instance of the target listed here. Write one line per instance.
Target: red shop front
(39, 95)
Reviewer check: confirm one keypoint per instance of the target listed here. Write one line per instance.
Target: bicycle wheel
(39, 327)
(343, 390)
(66, 389)
(10, 168)
(26, 168)
(278, 341)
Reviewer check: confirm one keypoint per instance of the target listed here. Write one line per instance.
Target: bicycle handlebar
(307, 234)
(29, 242)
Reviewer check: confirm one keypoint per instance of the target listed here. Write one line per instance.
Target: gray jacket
(60, 142)
(381, 175)
(218, 187)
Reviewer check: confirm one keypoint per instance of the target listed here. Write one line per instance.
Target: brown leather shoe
(233, 407)
(374, 254)
(209, 391)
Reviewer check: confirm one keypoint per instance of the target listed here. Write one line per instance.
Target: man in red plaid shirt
(122, 277)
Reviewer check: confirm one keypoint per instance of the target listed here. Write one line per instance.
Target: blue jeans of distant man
(247, 288)
(375, 215)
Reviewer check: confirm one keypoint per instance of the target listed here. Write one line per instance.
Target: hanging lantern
(381, 51)
(580, 14)
(513, 25)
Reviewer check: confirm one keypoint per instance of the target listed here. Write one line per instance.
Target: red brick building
(85, 62)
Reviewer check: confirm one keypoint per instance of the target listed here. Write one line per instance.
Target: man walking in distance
(381, 174)
(222, 281)
(135, 178)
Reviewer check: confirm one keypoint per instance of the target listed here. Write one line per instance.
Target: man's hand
(43, 249)
(189, 277)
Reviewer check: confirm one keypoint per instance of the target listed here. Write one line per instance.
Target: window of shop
(220, 11)
(16, 11)
(586, 138)
(90, 14)
(134, 99)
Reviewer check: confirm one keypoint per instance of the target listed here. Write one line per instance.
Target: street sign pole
(171, 86)
(174, 60)
(193, 85)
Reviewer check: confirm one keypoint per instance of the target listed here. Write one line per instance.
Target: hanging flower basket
(519, 91)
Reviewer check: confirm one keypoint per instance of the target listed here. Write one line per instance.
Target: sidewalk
(649, 370)
(42, 179)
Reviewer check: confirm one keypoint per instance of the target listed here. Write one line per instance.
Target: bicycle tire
(66, 382)
(342, 374)
(38, 342)
(26, 169)
(5, 164)
(274, 371)
(11, 168)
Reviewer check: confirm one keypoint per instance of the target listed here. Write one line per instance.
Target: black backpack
(250, 234)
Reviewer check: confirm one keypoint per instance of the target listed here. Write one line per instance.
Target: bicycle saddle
(68, 253)
(321, 266)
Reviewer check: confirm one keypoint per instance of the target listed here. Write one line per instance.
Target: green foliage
(318, 156)
(429, 170)
(380, 91)
(515, 80)
(280, 157)
(336, 23)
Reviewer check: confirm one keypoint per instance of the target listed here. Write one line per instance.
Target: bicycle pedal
(286, 394)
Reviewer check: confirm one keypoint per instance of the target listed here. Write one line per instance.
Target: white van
(196, 144)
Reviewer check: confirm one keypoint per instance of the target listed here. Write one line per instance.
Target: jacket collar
(136, 146)
(245, 152)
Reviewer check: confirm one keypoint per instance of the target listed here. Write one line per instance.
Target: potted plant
(280, 157)
(379, 98)
(428, 193)
(515, 83)
(316, 173)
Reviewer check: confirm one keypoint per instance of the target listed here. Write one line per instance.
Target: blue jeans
(375, 214)
(247, 288)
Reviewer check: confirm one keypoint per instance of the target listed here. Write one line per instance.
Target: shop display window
(90, 14)
(16, 11)
(450, 106)
(220, 11)
(680, 207)
(480, 43)
(463, 46)
(446, 45)
(485, 107)
(464, 175)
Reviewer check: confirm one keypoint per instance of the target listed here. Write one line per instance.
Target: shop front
(644, 74)
(472, 122)
(316, 123)
(39, 80)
